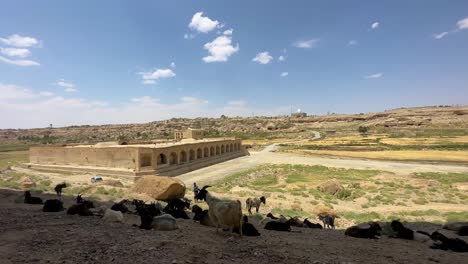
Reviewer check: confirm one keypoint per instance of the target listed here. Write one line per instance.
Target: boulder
(331, 187)
(159, 187)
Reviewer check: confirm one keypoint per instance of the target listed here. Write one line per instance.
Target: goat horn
(206, 186)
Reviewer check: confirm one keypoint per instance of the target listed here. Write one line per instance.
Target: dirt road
(267, 156)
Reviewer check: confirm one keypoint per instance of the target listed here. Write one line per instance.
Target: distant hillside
(403, 118)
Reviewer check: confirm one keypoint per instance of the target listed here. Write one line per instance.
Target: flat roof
(155, 145)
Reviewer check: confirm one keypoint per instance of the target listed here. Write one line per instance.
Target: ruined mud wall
(97, 157)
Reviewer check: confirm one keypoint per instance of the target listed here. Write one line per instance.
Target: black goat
(247, 228)
(270, 215)
(120, 206)
(277, 226)
(52, 205)
(328, 221)
(58, 189)
(309, 224)
(146, 212)
(81, 209)
(401, 231)
(87, 203)
(371, 232)
(179, 204)
(28, 199)
(176, 207)
(463, 231)
(444, 243)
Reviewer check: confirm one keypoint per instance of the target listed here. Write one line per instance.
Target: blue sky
(96, 62)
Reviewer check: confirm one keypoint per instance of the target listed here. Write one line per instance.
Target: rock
(331, 187)
(160, 188)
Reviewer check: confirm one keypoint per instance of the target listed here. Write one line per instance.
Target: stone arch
(222, 149)
(206, 152)
(231, 147)
(191, 155)
(238, 146)
(212, 151)
(162, 159)
(235, 147)
(199, 153)
(183, 156)
(173, 159)
(217, 150)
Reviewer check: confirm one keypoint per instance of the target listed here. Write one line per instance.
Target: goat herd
(227, 214)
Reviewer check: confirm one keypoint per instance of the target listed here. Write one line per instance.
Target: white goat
(113, 216)
(165, 222)
(222, 212)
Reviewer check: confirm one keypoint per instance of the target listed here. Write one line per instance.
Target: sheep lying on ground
(254, 202)
(403, 232)
(247, 228)
(120, 206)
(87, 203)
(165, 222)
(113, 216)
(372, 230)
(80, 209)
(58, 189)
(52, 205)
(147, 212)
(222, 212)
(202, 216)
(328, 221)
(28, 199)
(280, 219)
(444, 243)
(295, 221)
(309, 224)
(455, 226)
(278, 226)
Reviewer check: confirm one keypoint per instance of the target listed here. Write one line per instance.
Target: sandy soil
(29, 235)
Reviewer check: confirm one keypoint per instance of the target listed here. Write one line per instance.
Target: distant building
(189, 151)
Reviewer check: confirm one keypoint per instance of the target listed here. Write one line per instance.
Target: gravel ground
(27, 235)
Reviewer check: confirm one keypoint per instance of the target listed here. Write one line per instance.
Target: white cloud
(281, 58)
(375, 25)
(228, 32)
(152, 76)
(173, 65)
(202, 24)
(374, 76)
(352, 42)
(237, 103)
(145, 100)
(306, 44)
(15, 52)
(263, 58)
(25, 108)
(220, 49)
(441, 35)
(46, 93)
(69, 87)
(284, 74)
(19, 62)
(192, 100)
(463, 24)
(19, 41)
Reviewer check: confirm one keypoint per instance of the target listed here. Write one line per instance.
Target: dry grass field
(367, 195)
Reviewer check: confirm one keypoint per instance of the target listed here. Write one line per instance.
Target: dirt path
(266, 156)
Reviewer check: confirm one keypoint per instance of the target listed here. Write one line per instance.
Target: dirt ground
(28, 235)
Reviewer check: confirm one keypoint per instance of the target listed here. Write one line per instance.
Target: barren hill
(402, 118)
